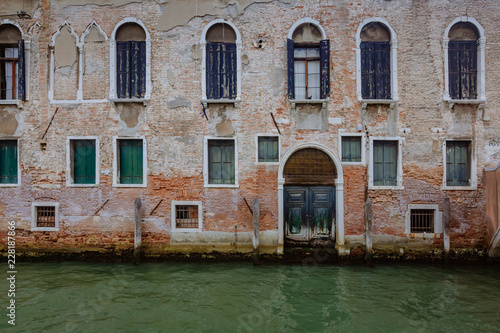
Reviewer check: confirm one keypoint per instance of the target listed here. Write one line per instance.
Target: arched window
(308, 53)
(130, 68)
(221, 65)
(376, 64)
(464, 60)
(12, 63)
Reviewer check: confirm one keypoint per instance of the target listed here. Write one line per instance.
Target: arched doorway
(310, 190)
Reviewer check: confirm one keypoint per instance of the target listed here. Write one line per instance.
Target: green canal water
(240, 297)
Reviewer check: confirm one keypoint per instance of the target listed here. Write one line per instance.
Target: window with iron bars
(186, 216)
(46, 216)
(422, 220)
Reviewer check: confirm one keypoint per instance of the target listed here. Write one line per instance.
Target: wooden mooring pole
(368, 232)
(256, 231)
(138, 231)
(446, 230)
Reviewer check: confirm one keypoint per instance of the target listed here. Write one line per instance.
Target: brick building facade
(197, 108)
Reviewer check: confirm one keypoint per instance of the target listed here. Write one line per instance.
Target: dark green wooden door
(309, 211)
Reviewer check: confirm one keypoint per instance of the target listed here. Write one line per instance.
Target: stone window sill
(16, 102)
(365, 102)
(323, 102)
(130, 100)
(235, 101)
(479, 102)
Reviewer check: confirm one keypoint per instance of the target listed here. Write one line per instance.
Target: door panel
(309, 211)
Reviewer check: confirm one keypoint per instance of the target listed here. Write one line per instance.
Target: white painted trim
(18, 164)
(473, 167)
(399, 177)
(257, 148)
(27, 57)
(112, 59)
(438, 223)
(363, 147)
(203, 45)
(144, 161)
(34, 206)
(339, 192)
(188, 203)
(205, 162)
(394, 60)
(481, 62)
(309, 21)
(69, 162)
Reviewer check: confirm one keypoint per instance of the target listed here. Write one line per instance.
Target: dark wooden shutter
(21, 63)
(221, 70)
(137, 69)
(382, 70)
(367, 70)
(229, 82)
(462, 69)
(84, 162)
(325, 68)
(131, 168)
(290, 60)
(123, 69)
(213, 74)
(8, 162)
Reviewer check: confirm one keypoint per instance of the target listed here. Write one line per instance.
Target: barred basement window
(422, 220)
(46, 217)
(186, 217)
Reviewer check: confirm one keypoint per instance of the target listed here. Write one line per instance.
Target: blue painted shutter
(291, 74)
(137, 69)
(325, 68)
(123, 69)
(229, 70)
(131, 158)
(382, 61)
(84, 170)
(221, 70)
(462, 69)
(21, 63)
(8, 161)
(367, 70)
(213, 74)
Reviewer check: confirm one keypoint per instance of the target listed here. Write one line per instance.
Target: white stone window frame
(481, 64)
(18, 165)
(203, 46)
(438, 221)
(473, 167)
(176, 203)
(113, 97)
(69, 162)
(205, 163)
(394, 65)
(116, 175)
(259, 135)
(308, 20)
(342, 134)
(34, 206)
(399, 177)
(27, 51)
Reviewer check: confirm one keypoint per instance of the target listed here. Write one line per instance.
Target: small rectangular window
(351, 148)
(422, 220)
(268, 150)
(458, 163)
(186, 216)
(385, 162)
(221, 162)
(45, 216)
(130, 161)
(8, 162)
(83, 161)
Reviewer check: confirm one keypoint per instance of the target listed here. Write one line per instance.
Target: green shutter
(221, 165)
(385, 163)
(268, 149)
(8, 161)
(457, 163)
(131, 158)
(351, 149)
(84, 171)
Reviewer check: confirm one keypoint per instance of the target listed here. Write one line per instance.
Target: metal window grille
(46, 216)
(422, 220)
(310, 165)
(186, 216)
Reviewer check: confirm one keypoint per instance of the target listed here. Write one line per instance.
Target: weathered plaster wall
(174, 128)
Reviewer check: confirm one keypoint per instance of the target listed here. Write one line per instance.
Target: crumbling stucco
(130, 32)
(65, 48)
(312, 117)
(178, 102)
(171, 78)
(220, 120)
(129, 113)
(306, 33)
(9, 34)
(8, 121)
(463, 31)
(277, 76)
(94, 35)
(12, 7)
(375, 32)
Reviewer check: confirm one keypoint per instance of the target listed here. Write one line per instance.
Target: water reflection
(73, 297)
